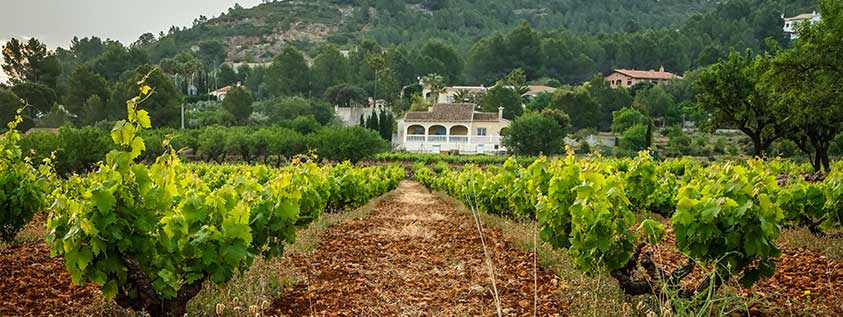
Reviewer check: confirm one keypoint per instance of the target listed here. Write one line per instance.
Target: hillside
(255, 34)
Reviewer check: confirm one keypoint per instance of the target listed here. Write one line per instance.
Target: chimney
(500, 113)
(661, 69)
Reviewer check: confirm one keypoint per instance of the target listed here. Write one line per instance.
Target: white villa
(791, 23)
(451, 127)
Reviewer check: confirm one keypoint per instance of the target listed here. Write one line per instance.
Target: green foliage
(732, 92)
(346, 95)
(163, 103)
(419, 103)
(804, 203)
(804, 84)
(238, 102)
(727, 218)
(30, 62)
(23, 186)
(151, 236)
(330, 68)
(540, 102)
(289, 108)
(506, 98)
(650, 186)
(626, 118)
(38, 97)
(9, 104)
(600, 218)
(578, 104)
(353, 187)
(427, 158)
(212, 144)
(634, 139)
(289, 74)
(534, 134)
(437, 57)
(656, 102)
(352, 144)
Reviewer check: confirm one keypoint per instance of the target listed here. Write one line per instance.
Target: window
(481, 131)
(629, 83)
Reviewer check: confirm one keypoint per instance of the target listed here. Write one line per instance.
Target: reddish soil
(33, 284)
(415, 255)
(797, 270)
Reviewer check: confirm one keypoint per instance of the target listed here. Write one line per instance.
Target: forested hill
(256, 34)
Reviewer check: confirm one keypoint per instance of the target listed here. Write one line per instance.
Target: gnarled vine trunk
(147, 298)
(660, 283)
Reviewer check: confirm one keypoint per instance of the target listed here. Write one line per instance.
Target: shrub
(634, 138)
(22, 187)
(81, 149)
(352, 144)
(212, 144)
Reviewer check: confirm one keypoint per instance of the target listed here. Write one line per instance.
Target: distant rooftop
(804, 16)
(647, 74)
(451, 112)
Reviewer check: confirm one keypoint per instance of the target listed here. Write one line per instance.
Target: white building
(452, 127)
(350, 116)
(791, 24)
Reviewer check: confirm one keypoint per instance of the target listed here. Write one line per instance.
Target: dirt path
(415, 255)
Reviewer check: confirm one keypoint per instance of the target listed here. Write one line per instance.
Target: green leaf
(104, 200)
(137, 148)
(84, 257)
(233, 254)
(88, 227)
(653, 230)
(143, 119)
(109, 290)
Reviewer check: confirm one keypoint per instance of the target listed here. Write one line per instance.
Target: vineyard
(151, 237)
(611, 214)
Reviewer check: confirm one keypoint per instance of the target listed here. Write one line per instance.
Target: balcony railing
(415, 138)
(453, 139)
(437, 138)
(458, 139)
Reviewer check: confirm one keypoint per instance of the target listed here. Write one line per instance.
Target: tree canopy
(536, 133)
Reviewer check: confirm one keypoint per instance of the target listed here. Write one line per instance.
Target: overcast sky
(56, 22)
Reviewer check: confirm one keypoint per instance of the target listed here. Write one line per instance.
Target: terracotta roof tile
(225, 89)
(486, 116)
(537, 89)
(646, 74)
(451, 112)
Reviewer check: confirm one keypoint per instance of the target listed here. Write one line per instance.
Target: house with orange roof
(449, 94)
(220, 93)
(627, 78)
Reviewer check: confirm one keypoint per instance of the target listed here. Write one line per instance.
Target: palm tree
(463, 95)
(434, 82)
